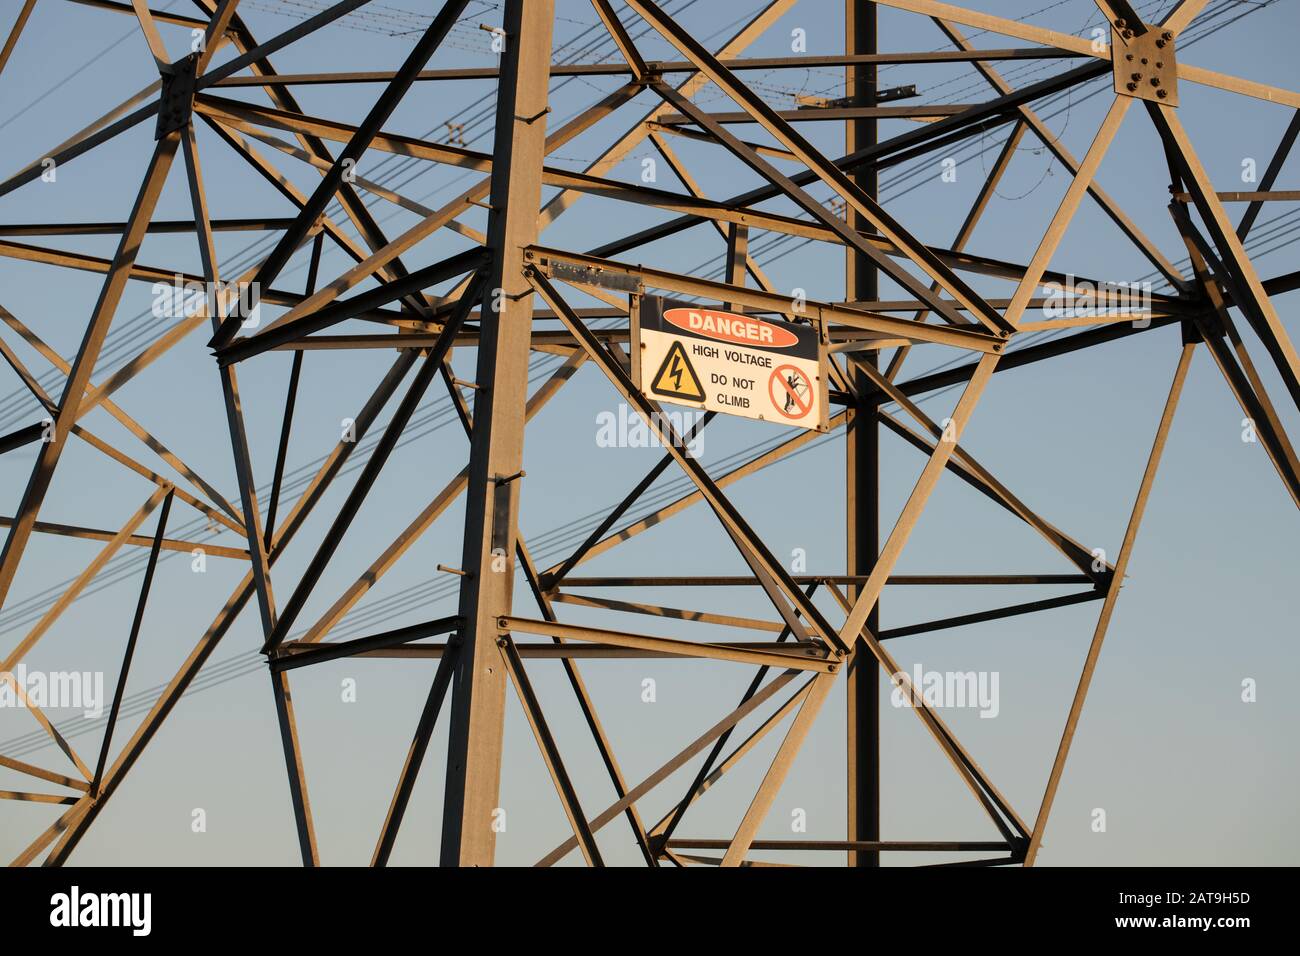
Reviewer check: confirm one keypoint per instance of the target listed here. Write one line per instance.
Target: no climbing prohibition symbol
(791, 392)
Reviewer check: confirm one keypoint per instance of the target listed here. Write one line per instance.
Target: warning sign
(729, 362)
(676, 378)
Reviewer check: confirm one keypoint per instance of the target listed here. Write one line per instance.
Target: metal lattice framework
(507, 283)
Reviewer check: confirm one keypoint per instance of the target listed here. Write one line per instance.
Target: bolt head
(1132, 87)
(1162, 93)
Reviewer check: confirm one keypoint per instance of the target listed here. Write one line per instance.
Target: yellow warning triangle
(676, 378)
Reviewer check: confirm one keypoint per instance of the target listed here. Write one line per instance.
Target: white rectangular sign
(730, 363)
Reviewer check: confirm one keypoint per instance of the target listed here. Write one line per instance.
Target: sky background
(1186, 771)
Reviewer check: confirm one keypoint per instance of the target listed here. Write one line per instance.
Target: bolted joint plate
(176, 100)
(591, 275)
(1144, 64)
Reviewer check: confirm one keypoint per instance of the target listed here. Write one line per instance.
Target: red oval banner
(730, 327)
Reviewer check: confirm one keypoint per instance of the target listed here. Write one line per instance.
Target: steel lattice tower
(512, 297)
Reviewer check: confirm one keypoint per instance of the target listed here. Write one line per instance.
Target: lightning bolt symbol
(676, 372)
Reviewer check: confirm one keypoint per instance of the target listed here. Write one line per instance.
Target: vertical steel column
(496, 450)
(862, 472)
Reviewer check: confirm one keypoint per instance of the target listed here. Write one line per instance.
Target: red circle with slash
(783, 385)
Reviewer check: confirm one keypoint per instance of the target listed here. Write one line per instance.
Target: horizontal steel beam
(823, 312)
(713, 581)
(777, 656)
(659, 67)
(904, 846)
(829, 114)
